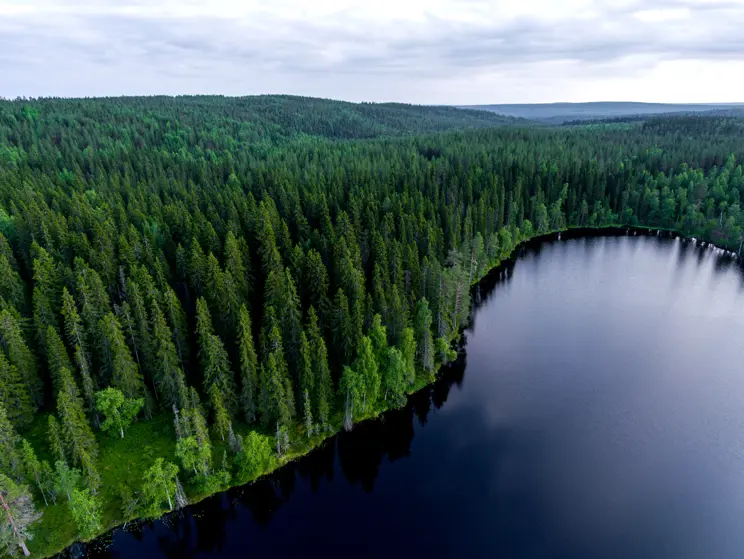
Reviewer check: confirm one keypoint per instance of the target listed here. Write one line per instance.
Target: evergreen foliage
(295, 263)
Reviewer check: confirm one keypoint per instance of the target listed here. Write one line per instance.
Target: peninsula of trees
(193, 290)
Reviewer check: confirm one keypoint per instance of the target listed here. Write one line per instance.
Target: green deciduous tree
(408, 349)
(85, 510)
(118, 410)
(255, 458)
(160, 487)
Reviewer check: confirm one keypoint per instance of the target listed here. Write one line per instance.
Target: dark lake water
(597, 412)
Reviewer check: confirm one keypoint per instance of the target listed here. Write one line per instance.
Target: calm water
(598, 412)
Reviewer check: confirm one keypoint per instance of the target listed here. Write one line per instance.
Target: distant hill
(264, 117)
(558, 113)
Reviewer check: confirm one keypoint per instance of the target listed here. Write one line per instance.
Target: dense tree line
(232, 263)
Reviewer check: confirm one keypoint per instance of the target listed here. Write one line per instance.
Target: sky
(417, 51)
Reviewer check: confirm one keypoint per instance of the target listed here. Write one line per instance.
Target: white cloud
(427, 51)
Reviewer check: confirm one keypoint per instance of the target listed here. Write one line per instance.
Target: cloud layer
(436, 51)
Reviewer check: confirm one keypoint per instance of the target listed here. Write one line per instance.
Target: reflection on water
(596, 411)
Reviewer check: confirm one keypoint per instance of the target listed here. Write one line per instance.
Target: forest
(195, 290)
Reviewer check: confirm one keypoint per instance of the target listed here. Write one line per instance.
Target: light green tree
(118, 410)
(86, 512)
(255, 458)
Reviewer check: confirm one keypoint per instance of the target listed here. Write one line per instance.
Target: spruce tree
(54, 436)
(14, 395)
(10, 459)
(408, 349)
(178, 324)
(75, 335)
(20, 356)
(248, 367)
(121, 368)
(56, 355)
(343, 331)
(424, 341)
(80, 444)
(214, 362)
(169, 376)
(323, 389)
(46, 291)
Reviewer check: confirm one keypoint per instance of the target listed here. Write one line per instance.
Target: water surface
(598, 411)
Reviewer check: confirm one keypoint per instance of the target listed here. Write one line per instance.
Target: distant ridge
(558, 113)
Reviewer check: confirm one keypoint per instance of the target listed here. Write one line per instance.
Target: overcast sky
(419, 51)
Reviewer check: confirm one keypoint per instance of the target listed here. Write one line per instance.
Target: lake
(597, 411)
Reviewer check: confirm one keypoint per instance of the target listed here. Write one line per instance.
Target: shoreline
(308, 446)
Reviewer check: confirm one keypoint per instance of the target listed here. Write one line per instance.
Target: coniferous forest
(195, 290)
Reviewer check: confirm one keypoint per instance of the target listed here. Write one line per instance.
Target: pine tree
(323, 389)
(45, 296)
(178, 323)
(222, 423)
(275, 402)
(281, 295)
(80, 444)
(307, 374)
(236, 267)
(10, 459)
(197, 267)
(397, 317)
(248, 367)
(54, 435)
(317, 284)
(136, 323)
(343, 334)
(76, 340)
(408, 349)
(20, 356)
(308, 415)
(56, 355)
(12, 288)
(169, 376)
(14, 395)
(121, 368)
(424, 340)
(198, 454)
(214, 361)
(94, 302)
